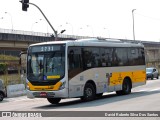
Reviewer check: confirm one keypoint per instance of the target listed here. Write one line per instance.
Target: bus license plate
(43, 94)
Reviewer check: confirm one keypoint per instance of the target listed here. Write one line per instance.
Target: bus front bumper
(48, 94)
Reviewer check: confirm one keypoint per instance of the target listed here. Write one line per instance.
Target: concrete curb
(16, 90)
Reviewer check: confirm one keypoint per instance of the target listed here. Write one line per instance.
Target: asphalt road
(143, 98)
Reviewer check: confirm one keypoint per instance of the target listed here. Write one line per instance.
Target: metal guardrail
(30, 33)
(21, 32)
(39, 34)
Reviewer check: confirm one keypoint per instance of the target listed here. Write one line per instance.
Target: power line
(158, 19)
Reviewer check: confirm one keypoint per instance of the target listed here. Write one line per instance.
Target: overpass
(19, 40)
(16, 40)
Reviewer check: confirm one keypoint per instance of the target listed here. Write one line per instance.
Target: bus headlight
(62, 86)
(27, 87)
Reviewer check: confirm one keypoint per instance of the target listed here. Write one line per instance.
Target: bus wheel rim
(88, 92)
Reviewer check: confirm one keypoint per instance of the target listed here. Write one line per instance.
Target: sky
(96, 18)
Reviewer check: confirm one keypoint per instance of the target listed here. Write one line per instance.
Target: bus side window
(87, 55)
(122, 56)
(115, 59)
(74, 61)
(141, 56)
(133, 56)
(95, 57)
(91, 57)
(71, 59)
(106, 57)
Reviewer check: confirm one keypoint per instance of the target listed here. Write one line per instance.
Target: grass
(8, 57)
(11, 62)
(11, 79)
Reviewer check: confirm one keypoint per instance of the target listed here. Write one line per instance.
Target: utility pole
(133, 24)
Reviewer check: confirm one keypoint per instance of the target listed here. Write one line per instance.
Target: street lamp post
(79, 30)
(71, 26)
(1, 18)
(59, 27)
(47, 25)
(11, 19)
(108, 31)
(55, 32)
(133, 23)
(33, 25)
(91, 29)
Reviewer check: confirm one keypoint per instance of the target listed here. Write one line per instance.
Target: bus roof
(93, 42)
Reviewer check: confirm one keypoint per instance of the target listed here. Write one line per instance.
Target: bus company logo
(21, 114)
(6, 114)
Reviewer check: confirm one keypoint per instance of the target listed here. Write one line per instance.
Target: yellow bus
(84, 69)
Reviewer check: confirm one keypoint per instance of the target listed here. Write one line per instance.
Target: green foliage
(3, 66)
(8, 57)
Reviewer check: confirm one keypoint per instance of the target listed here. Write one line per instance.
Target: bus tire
(152, 77)
(1, 96)
(126, 88)
(99, 95)
(89, 92)
(54, 100)
(157, 76)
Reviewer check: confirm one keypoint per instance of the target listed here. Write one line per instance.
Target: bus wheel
(54, 100)
(89, 92)
(152, 77)
(99, 95)
(126, 88)
(1, 96)
(157, 76)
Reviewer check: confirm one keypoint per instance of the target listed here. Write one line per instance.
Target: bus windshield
(46, 63)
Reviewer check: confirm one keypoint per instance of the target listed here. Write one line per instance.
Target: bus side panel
(107, 79)
(135, 73)
(77, 83)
